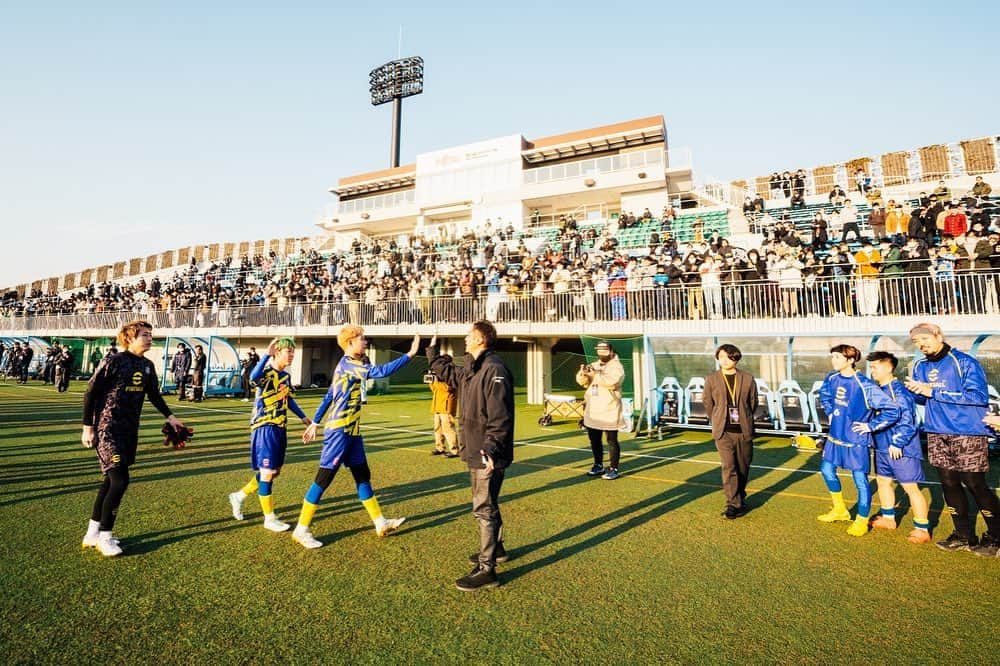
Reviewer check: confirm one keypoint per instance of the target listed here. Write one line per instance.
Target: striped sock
(888, 512)
(922, 524)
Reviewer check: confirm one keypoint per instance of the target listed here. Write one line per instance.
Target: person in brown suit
(730, 400)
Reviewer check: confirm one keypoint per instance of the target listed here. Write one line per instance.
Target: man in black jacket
(485, 389)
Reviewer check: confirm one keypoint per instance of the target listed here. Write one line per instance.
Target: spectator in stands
(955, 222)
(786, 184)
(892, 271)
(820, 231)
(758, 204)
(789, 282)
(774, 185)
(839, 268)
(874, 196)
(862, 182)
(917, 268)
(868, 261)
(981, 189)
(799, 184)
(895, 222)
(837, 196)
(813, 272)
(730, 401)
(877, 222)
(692, 285)
(942, 192)
(797, 201)
(711, 284)
(849, 221)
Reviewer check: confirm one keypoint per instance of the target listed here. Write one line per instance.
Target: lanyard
(734, 388)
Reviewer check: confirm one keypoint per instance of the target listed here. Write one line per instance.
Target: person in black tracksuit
(485, 388)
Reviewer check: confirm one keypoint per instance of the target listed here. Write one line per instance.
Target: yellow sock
(372, 507)
(251, 488)
(838, 500)
(306, 515)
(267, 504)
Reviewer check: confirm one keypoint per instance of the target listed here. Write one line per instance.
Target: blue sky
(133, 128)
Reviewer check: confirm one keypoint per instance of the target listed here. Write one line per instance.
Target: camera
(429, 378)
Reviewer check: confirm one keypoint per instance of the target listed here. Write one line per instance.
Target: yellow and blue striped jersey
(344, 394)
(274, 396)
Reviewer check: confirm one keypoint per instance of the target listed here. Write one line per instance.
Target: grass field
(638, 570)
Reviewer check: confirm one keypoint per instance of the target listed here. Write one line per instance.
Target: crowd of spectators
(579, 271)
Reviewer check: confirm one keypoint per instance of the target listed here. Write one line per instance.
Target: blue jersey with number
(855, 399)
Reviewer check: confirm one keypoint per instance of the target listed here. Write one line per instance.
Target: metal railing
(970, 293)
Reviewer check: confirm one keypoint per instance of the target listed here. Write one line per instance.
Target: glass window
(604, 164)
(589, 167)
(654, 156)
(558, 171)
(572, 169)
(530, 176)
(636, 160)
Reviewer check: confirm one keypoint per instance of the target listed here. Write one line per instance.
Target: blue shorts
(339, 448)
(854, 458)
(904, 470)
(267, 447)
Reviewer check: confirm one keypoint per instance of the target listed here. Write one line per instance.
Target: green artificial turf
(638, 570)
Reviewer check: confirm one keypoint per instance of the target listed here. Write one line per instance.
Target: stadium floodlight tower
(392, 82)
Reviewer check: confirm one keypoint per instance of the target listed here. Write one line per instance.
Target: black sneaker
(989, 546)
(596, 470)
(476, 579)
(435, 452)
(734, 512)
(450, 454)
(501, 554)
(956, 541)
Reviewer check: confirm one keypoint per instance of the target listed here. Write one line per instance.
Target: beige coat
(603, 398)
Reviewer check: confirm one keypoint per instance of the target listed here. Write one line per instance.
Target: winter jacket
(603, 400)
(959, 395)
(485, 388)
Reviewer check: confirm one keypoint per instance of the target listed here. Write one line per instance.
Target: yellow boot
(839, 511)
(859, 527)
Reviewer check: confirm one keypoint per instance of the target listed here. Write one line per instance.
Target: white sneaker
(303, 536)
(246, 399)
(272, 523)
(90, 540)
(389, 526)
(237, 503)
(108, 545)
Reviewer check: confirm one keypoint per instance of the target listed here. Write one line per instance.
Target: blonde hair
(347, 333)
(130, 331)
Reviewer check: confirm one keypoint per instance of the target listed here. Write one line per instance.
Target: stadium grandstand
(606, 231)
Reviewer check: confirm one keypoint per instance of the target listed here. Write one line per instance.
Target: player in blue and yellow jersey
(342, 443)
(897, 452)
(857, 408)
(268, 429)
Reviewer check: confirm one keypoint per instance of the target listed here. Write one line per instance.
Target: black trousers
(736, 454)
(486, 509)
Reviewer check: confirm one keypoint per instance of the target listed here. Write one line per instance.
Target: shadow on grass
(604, 528)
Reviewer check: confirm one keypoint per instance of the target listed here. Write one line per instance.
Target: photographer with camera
(602, 412)
(443, 403)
